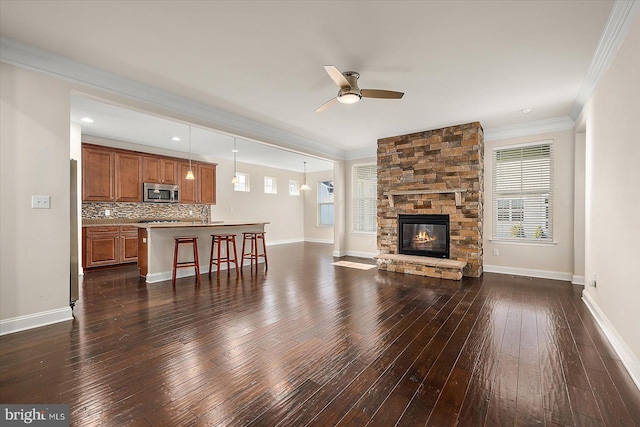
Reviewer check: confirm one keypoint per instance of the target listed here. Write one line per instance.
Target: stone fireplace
(436, 173)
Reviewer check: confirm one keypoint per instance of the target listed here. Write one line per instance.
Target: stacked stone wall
(439, 159)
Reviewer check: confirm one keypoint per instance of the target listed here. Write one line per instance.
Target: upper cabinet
(98, 174)
(110, 175)
(203, 188)
(159, 170)
(206, 183)
(187, 186)
(128, 177)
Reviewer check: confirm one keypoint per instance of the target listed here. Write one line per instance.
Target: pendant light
(190, 172)
(304, 186)
(234, 181)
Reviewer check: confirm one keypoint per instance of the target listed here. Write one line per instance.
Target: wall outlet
(496, 252)
(40, 202)
(370, 242)
(107, 212)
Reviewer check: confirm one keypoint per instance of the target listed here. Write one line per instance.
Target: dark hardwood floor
(309, 343)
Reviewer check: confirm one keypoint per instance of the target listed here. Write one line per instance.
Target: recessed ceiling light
(526, 111)
(175, 138)
(235, 151)
(86, 120)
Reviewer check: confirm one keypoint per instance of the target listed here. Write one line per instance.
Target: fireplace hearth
(425, 235)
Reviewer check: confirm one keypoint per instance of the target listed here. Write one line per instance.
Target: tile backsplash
(129, 211)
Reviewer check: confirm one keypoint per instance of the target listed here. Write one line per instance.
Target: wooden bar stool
(186, 240)
(230, 241)
(253, 237)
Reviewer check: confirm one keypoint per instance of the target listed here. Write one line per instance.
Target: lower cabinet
(109, 245)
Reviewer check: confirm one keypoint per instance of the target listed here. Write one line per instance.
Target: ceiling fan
(349, 92)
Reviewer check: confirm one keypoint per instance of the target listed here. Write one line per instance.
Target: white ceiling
(456, 61)
(126, 125)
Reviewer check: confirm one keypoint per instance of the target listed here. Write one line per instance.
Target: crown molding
(39, 60)
(361, 153)
(531, 128)
(622, 15)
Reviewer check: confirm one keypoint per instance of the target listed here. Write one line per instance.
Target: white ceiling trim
(29, 57)
(532, 128)
(622, 15)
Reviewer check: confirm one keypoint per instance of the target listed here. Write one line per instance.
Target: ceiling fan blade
(326, 105)
(337, 76)
(377, 93)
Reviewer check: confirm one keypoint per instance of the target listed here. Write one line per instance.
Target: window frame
(522, 212)
(297, 187)
(355, 214)
(273, 187)
(320, 203)
(245, 182)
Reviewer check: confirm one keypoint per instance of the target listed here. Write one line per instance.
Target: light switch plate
(41, 202)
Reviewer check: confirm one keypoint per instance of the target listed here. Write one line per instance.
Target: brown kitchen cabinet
(158, 170)
(187, 186)
(206, 184)
(116, 175)
(109, 245)
(128, 177)
(110, 175)
(98, 174)
(203, 188)
(128, 244)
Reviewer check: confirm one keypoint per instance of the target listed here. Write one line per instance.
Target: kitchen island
(156, 245)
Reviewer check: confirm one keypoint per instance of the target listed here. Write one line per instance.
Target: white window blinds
(365, 198)
(523, 193)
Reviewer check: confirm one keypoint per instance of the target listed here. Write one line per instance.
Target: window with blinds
(523, 192)
(365, 198)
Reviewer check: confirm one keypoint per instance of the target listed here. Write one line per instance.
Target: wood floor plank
(309, 343)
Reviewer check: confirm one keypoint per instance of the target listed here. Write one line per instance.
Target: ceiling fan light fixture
(349, 98)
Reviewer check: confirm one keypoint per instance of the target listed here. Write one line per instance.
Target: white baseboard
(629, 360)
(30, 321)
(312, 240)
(577, 280)
(542, 274)
(283, 242)
(361, 254)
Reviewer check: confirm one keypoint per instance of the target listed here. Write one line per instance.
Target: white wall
(312, 231)
(34, 160)
(578, 209)
(283, 212)
(538, 260)
(613, 200)
(358, 244)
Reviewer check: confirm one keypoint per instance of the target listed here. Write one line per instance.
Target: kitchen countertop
(197, 224)
(181, 222)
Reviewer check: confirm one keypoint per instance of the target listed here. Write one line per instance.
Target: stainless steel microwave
(160, 193)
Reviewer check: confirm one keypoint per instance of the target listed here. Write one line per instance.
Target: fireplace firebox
(426, 235)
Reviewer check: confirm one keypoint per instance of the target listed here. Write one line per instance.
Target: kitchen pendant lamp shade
(304, 186)
(190, 174)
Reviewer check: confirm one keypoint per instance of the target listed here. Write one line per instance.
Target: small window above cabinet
(159, 171)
